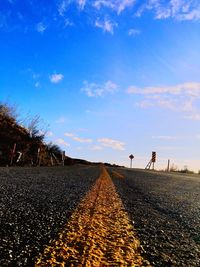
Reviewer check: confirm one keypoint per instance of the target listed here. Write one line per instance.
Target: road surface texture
(165, 210)
(35, 203)
(99, 233)
(86, 216)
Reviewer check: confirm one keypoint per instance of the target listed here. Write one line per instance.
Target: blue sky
(109, 78)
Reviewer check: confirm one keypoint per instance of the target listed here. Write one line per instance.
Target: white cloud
(114, 144)
(56, 78)
(81, 3)
(180, 98)
(40, 27)
(123, 4)
(115, 5)
(61, 141)
(98, 90)
(104, 3)
(174, 104)
(191, 89)
(65, 4)
(106, 25)
(82, 140)
(69, 134)
(62, 7)
(193, 15)
(133, 32)
(78, 139)
(177, 9)
(68, 23)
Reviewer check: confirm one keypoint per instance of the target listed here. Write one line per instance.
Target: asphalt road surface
(35, 203)
(165, 210)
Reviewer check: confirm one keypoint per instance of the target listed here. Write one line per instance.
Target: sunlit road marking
(98, 233)
(117, 175)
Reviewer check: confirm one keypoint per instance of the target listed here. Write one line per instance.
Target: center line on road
(98, 234)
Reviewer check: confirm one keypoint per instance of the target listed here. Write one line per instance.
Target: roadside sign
(131, 156)
(153, 159)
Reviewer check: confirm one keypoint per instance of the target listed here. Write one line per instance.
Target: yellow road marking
(98, 233)
(117, 175)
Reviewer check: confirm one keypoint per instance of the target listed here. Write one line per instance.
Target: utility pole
(168, 164)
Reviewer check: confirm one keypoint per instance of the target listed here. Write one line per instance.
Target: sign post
(131, 158)
(152, 161)
(12, 154)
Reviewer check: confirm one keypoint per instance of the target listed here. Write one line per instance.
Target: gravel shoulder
(165, 210)
(35, 203)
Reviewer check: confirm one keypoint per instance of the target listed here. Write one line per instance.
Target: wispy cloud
(56, 78)
(106, 25)
(81, 3)
(61, 141)
(191, 89)
(104, 3)
(133, 32)
(82, 140)
(41, 27)
(123, 4)
(78, 139)
(177, 9)
(114, 144)
(69, 134)
(98, 90)
(181, 97)
(115, 5)
(68, 23)
(62, 7)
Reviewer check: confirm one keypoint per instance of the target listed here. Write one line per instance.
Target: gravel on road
(35, 203)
